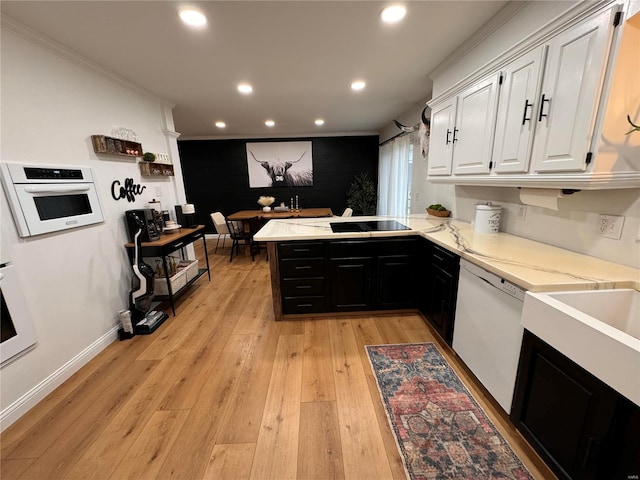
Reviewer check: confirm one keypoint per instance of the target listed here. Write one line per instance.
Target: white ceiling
(300, 57)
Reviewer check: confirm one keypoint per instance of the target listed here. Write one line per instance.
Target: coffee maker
(185, 215)
(150, 231)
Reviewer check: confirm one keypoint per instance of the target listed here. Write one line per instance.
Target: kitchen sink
(597, 329)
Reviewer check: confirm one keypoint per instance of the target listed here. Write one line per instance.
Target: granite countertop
(532, 265)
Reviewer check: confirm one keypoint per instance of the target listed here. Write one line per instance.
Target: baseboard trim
(30, 399)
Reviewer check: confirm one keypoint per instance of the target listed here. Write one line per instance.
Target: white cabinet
(475, 124)
(517, 110)
(443, 118)
(462, 130)
(570, 92)
(548, 122)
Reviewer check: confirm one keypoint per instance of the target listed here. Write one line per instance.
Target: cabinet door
(442, 289)
(516, 112)
(350, 284)
(570, 93)
(475, 125)
(443, 117)
(562, 410)
(396, 281)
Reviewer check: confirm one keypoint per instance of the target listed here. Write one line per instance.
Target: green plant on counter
(438, 207)
(149, 157)
(362, 195)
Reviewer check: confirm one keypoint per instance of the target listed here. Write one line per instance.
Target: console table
(169, 243)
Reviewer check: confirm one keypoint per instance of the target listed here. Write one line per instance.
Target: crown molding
(282, 136)
(10, 24)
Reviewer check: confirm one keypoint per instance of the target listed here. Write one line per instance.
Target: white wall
(574, 225)
(74, 281)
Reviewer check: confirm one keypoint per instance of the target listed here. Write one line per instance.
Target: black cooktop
(368, 226)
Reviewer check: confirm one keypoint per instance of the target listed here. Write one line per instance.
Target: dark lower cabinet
(349, 275)
(438, 300)
(581, 427)
(398, 278)
(350, 284)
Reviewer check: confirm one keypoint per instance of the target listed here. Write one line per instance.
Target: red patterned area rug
(441, 431)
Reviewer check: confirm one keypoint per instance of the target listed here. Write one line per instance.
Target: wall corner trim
(29, 400)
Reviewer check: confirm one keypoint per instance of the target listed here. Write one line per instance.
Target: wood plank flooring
(222, 391)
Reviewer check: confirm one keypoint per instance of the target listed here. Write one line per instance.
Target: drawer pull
(301, 287)
(438, 257)
(304, 267)
(301, 250)
(305, 305)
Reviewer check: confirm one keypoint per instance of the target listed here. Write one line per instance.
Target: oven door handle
(57, 189)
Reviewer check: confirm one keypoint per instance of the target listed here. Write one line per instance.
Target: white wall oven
(46, 199)
(17, 335)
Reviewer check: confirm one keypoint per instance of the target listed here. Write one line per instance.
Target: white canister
(487, 218)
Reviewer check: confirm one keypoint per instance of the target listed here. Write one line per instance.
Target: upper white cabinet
(443, 119)
(517, 112)
(462, 130)
(570, 92)
(546, 123)
(475, 123)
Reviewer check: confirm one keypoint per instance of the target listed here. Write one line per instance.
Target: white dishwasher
(487, 334)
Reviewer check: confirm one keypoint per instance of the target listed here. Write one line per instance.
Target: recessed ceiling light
(221, 124)
(358, 85)
(245, 88)
(393, 13)
(269, 123)
(193, 18)
(319, 122)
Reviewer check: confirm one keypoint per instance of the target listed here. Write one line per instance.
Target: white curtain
(394, 176)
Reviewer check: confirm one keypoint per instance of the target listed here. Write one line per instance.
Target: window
(394, 176)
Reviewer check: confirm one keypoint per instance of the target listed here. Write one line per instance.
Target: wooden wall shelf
(152, 169)
(104, 145)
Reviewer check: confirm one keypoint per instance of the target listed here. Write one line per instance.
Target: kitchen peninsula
(531, 265)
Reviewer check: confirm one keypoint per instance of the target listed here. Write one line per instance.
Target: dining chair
(221, 228)
(347, 212)
(241, 237)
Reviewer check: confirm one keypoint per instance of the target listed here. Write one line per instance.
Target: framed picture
(279, 164)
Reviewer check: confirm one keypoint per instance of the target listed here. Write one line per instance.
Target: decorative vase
(266, 209)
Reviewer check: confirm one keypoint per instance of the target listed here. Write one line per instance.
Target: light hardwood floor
(222, 391)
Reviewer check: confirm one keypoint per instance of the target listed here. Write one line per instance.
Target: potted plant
(149, 157)
(362, 195)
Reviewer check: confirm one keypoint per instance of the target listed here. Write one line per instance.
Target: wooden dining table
(245, 215)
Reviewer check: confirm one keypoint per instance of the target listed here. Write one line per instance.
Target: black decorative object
(128, 191)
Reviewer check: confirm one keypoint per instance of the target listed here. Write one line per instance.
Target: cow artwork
(279, 164)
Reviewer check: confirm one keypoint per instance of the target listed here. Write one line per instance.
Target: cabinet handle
(542, 108)
(305, 267)
(455, 130)
(300, 249)
(303, 286)
(448, 133)
(304, 305)
(526, 107)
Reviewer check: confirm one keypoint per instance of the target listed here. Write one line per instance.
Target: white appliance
(487, 334)
(16, 332)
(47, 199)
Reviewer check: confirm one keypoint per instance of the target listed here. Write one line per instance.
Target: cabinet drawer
(444, 259)
(303, 267)
(303, 286)
(314, 304)
(301, 249)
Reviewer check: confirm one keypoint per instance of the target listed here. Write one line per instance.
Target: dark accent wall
(216, 176)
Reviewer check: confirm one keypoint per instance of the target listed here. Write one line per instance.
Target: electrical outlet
(522, 212)
(610, 226)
